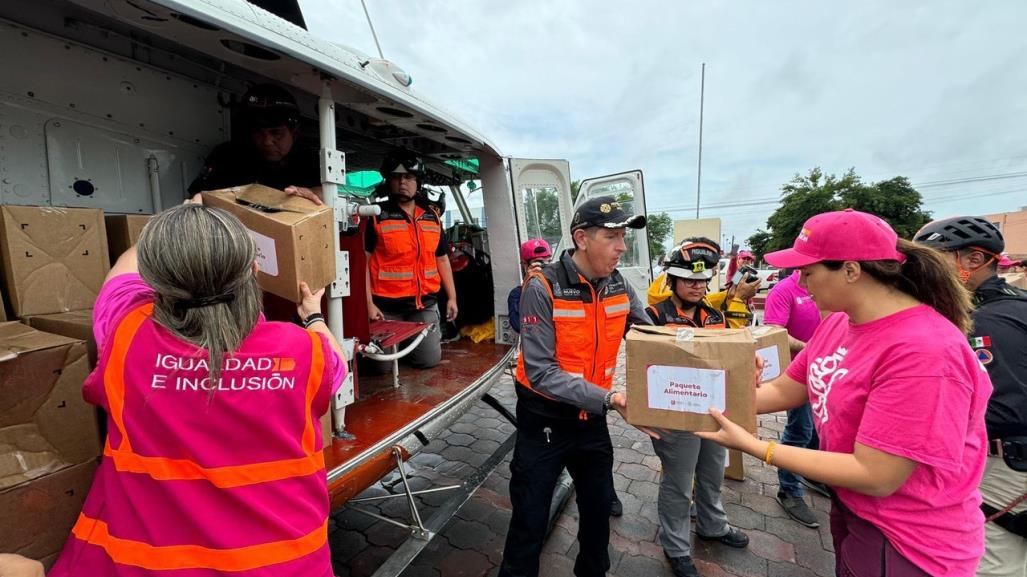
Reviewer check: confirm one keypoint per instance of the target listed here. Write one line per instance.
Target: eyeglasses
(695, 282)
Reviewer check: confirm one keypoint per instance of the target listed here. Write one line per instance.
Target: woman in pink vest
(210, 468)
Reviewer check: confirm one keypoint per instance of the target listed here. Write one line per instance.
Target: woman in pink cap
(534, 254)
(898, 400)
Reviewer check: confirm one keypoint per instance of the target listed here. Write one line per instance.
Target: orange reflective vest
(589, 326)
(403, 262)
(172, 459)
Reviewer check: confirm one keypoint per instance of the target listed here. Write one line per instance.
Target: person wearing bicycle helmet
(684, 457)
(265, 151)
(999, 339)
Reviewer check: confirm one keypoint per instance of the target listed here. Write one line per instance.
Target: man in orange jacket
(574, 313)
(407, 259)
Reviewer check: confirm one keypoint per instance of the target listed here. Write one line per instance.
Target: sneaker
(616, 507)
(683, 567)
(733, 538)
(797, 509)
(817, 487)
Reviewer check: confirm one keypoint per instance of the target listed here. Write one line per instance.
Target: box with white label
(676, 375)
(293, 236)
(772, 347)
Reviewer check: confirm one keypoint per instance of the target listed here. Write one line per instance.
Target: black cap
(268, 106)
(605, 212)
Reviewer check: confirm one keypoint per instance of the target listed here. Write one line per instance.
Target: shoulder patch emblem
(985, 356)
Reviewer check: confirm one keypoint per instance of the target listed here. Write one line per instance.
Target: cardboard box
(54, 259)
(45, 425)
(674, 375)
(293, 236)
(123, 232)
(38, 515)
(734, 467)
(772, 347)
(1017, 279)
(74, 324)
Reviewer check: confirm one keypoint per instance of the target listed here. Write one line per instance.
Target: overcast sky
(935, 91)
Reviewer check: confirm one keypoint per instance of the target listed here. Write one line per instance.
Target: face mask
(965, 274)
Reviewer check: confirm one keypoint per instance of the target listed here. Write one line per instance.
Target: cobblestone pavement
(471, 545)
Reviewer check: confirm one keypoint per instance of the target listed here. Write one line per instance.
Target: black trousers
(584, 448)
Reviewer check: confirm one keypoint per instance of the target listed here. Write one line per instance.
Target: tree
(894, 200)
(659, 227)
(542, 213)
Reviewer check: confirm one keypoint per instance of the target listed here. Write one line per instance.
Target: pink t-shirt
(790, 306)
(127, 291)
(909, 385)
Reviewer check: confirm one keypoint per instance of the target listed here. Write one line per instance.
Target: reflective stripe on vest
(588, 335)
(165, 469)
(395, 275)
(147, 556)
(170, 557)
(405, 265)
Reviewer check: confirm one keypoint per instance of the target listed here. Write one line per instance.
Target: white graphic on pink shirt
(821, 375)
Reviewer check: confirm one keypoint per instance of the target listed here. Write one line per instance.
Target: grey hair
(192, 251)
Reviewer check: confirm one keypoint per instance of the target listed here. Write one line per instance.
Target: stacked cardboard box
(54, 259)
(49, 439)
(54, 262)
(123, 232)
(73, 324)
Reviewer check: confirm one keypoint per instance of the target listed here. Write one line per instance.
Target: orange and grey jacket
(571, 331)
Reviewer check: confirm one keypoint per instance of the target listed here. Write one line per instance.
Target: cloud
(929, 90)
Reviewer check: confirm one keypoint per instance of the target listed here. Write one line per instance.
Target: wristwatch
(313, 318)
(606, 402)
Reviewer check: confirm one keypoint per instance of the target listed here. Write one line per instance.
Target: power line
(927, 197)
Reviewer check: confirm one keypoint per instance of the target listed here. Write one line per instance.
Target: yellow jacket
(736, 313)
(658, 290)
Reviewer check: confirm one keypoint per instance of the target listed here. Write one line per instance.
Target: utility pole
(698, 178)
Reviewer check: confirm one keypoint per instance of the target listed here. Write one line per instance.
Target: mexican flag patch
(979, 342)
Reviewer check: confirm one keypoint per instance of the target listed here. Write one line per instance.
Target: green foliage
(542, 213)
(894, 200)
(659, 227)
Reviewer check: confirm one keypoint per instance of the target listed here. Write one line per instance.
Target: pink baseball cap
(535, 248)
(841, 235)
(1005, 262)
(745, 254)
